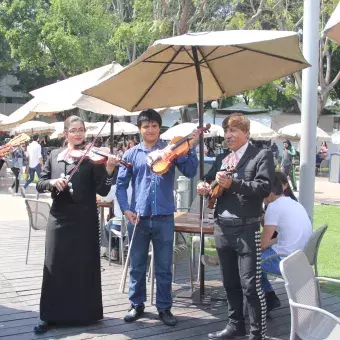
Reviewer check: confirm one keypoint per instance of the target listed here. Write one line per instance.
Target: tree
(6, 63)
(58, 38)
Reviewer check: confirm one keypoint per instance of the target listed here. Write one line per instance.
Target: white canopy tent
(184, 129)
(33, 127)
(294, 131)
(118, 128)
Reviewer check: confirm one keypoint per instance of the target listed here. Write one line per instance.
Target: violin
(160, 161)
(94, 154)
(216, 190)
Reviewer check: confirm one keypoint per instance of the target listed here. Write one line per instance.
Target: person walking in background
(35, 162)
(287, 166)
(323, 150)
(18, 156)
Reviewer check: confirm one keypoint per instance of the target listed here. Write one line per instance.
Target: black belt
(235, 222)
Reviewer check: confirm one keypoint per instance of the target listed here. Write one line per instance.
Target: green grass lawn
(329, 252)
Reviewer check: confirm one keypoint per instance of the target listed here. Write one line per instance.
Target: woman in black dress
(71, 288)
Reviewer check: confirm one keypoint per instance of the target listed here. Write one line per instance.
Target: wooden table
(101, 205)
(190, 223)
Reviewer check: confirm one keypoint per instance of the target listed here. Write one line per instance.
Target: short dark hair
(148, 116)
(71, 120)
(35, 137)
(277, 186)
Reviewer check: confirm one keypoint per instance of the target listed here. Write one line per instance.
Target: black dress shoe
(134, 313)
(232, 331)
(167, 317)
(43, 327)
(272, 301)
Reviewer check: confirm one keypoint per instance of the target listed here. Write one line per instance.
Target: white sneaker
(10, 190)
(114, 255)
(23, 192)
(16, 194)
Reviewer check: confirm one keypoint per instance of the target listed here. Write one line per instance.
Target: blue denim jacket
(151, 194)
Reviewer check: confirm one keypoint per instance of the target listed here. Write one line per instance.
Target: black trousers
(16, 182)
(239, 251)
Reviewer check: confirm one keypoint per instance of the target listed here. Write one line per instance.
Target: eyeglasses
(75, 131)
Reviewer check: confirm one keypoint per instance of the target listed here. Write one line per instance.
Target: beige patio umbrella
(2, 117)
(229, 61)
(174, 71)
(294, 131)
(27, 112)
(33, 127)
(332, 28)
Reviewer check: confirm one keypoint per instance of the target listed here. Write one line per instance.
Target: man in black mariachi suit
(237, 226)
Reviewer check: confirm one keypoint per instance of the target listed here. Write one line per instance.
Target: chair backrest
(122, 222)
(38, 213)
(312, 247)
(301, 286)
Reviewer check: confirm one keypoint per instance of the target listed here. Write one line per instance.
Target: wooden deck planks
(20, 294)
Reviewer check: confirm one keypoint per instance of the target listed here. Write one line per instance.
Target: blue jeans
(272, 266)
(32, 172)
(159, 230)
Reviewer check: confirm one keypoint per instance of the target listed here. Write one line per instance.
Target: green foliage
(59, 38)
(54, 39)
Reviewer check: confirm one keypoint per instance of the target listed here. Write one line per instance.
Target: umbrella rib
(156, 53)
(182, 68)
(165, 62)
(225, 55)
(269, 54)
(155, 81)
(211, 52)
(211, 71)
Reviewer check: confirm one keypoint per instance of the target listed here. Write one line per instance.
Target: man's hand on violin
(193, 140)
(203, 188)
(112, 162)
(60, 183)
(224, 180)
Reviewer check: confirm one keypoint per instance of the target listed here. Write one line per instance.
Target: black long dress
(71, 288)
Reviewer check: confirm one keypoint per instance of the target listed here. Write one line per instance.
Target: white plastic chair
(311, 250)
(308, 320)
(121, 235)
(38, 213)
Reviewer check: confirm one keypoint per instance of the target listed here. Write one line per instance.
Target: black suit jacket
(251, 183)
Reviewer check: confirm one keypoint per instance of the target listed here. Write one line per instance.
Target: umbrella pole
(111, 133)
(201, 163)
